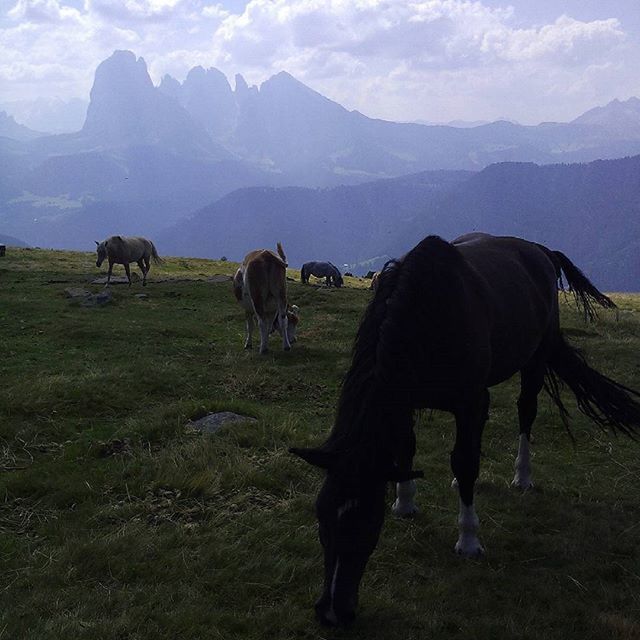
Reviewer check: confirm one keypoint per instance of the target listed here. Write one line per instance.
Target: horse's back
(486, 304)
(518, 280)
(321, 269)
(504, 262)
(128, 248)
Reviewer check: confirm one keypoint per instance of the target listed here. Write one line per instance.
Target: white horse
(124, 250)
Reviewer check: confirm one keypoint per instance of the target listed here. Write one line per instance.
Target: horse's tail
(607, 402)
(304, 276)
(281, 254)
(584, 291)
(154, 254)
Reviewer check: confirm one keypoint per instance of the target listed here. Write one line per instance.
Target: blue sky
(435, 60)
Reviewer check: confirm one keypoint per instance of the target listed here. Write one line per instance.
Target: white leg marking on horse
(249, 330)
(284, 324)
(404, 505)
(522, 477)
(454, 483)
(331, 615)
(468, 544)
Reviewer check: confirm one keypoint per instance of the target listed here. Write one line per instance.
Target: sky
(405, 60)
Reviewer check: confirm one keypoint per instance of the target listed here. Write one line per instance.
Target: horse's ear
(394, 474)
(97, 242)
(316, 457)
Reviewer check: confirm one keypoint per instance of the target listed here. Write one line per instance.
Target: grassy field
(117, 521)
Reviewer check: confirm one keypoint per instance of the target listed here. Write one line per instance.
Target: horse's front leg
(109, 274)
(128, 272)
(465, 464)
(404, 506)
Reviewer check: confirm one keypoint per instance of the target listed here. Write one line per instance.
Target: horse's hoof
(288, 348)
(522, 484)
(468, 549)
(404, 511)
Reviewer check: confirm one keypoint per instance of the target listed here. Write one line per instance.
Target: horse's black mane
(390, 354)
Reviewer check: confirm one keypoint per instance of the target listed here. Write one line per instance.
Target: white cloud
(42, 11)
(401, 59)
(138, 10)
(567, 40)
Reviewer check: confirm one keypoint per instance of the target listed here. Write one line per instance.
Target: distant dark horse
(124, 250)
(447, 322)
(321, 270)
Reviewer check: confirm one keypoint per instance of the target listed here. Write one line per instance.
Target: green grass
(116, 521)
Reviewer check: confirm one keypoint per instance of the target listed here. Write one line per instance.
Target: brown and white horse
(260, 286)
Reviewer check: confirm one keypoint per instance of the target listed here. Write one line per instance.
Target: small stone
(103, 297)
(215, 421)
(219, 277)
(141, 296)
(76, 292)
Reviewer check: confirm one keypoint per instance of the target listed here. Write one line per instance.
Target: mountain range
(147, 157)
(590, 211)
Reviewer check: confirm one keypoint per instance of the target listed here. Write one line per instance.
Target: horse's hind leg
(404, 505)
(248, 343)
(144, 272)
(465, 464)
(531, 382)
(128, 272)
(264, 327)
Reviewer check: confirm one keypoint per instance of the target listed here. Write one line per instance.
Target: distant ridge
(569, 207)
(10, 241)
(620, 118)
(9, 128)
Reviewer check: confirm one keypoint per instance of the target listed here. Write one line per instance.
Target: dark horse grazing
(123, 250)
(447, 322)
(321, 270)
